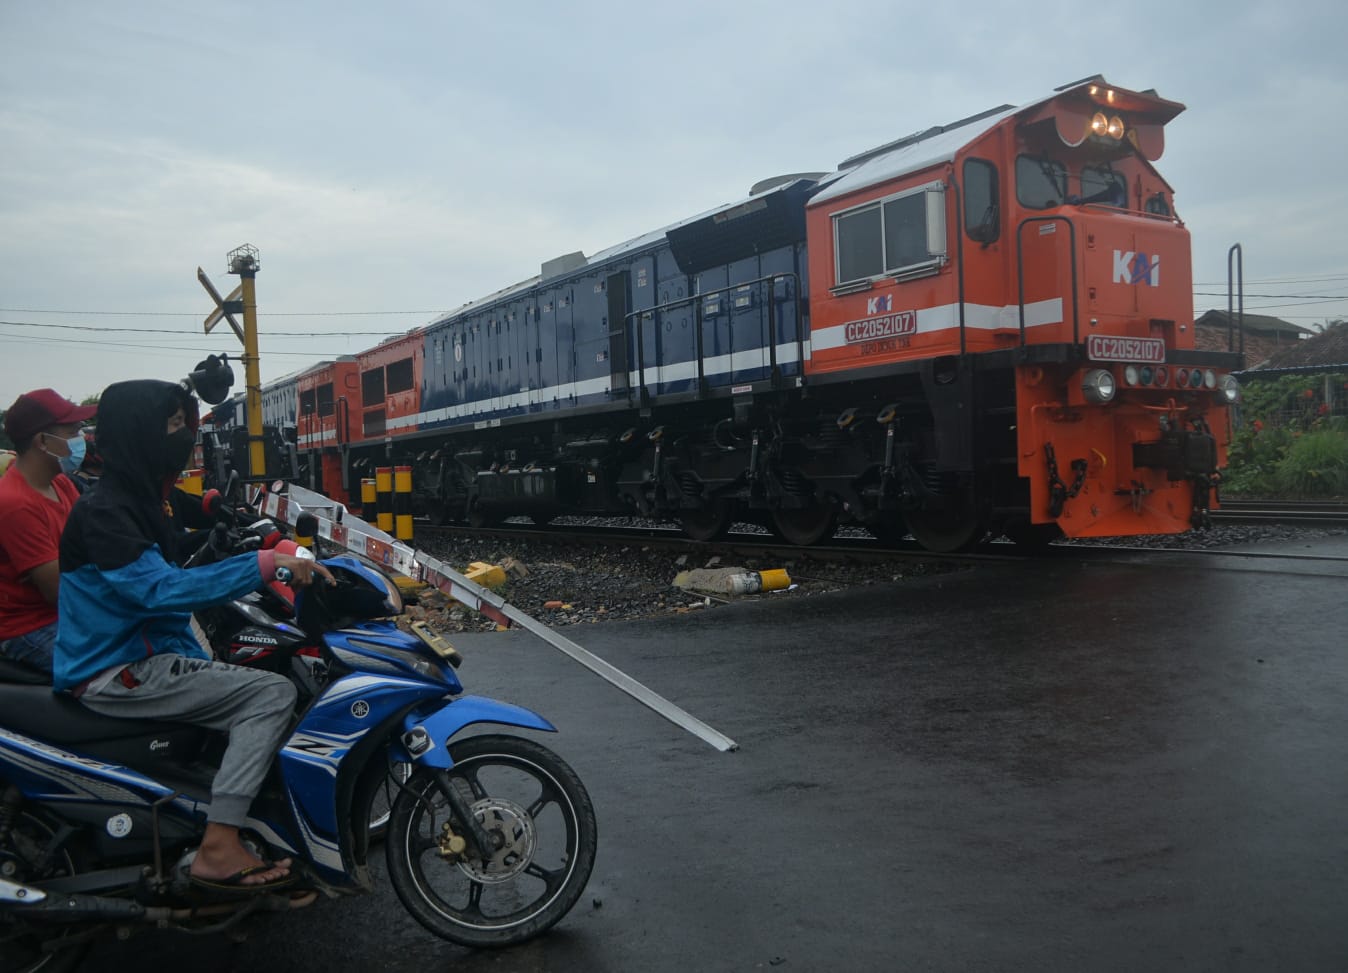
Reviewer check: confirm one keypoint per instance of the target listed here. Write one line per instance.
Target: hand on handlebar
(299, 572)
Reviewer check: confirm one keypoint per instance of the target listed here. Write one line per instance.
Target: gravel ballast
(564, 584)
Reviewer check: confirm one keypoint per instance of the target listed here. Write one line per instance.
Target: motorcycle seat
(37, 712)
(12, 671)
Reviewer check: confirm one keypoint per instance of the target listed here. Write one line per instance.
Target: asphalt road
(1041, 766)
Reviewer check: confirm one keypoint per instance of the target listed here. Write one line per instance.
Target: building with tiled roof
(1265, 336)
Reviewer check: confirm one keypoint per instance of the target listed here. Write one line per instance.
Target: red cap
(35, 411)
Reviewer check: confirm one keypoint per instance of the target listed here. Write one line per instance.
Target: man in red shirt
(35, 500)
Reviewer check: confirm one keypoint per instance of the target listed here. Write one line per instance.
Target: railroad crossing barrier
(340, 527)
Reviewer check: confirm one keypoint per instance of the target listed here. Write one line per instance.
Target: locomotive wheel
(956, 528)
(889, 532)
(709, 524)
(479, 518)
(805, 526)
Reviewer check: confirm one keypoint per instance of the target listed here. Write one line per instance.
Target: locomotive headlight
(1098, 385)
(1115, 128)
(1130, 374)
(1099, 124)
(1210, 379)
(1230, 389)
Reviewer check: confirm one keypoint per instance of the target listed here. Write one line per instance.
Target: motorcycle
(258, 630)
(490, 840)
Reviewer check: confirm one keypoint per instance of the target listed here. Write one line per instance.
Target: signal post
(243, 300)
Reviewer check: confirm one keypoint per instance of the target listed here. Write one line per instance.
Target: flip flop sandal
(235, 884)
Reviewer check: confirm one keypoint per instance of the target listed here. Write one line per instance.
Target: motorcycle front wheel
(543, 831)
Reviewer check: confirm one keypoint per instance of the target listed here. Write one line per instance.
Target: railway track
(737, 544)
(858, 547)
(1288, 513)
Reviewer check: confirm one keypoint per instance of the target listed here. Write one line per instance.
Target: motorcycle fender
(461, 712)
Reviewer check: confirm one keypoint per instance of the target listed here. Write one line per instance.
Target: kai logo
(880, 305)
(1136, 268)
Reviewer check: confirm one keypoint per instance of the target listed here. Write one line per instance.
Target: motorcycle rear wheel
(22, 944)
(536, 808)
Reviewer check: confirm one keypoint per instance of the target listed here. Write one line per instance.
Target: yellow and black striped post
(402, 502)
(367, 498)
(383, 488)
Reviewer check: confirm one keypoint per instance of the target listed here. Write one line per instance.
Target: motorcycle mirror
(306, 525)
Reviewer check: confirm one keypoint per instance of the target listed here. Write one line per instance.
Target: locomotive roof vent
(772, 182)
(566, 263)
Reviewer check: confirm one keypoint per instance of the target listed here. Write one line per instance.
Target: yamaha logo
(360, 709)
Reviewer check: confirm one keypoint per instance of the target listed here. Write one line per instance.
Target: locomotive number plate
(1101, 347)
(895, 325)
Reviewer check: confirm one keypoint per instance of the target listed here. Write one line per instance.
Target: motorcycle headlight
(1098, 385)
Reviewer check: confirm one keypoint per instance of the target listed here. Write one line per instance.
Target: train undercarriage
(934, 452)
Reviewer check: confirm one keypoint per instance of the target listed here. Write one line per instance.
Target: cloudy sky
(392, 161)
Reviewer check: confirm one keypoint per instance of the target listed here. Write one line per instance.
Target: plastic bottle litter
(732, 581)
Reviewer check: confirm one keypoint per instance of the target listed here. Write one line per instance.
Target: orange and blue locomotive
(983, 328)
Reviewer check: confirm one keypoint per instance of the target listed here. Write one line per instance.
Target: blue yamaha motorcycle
(490, 838)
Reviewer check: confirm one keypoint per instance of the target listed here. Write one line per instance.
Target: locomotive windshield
(1040, 183)
(1043, 183)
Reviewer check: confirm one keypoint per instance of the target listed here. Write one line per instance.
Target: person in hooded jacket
(125, 646)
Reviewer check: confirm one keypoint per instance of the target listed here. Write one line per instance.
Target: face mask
(71, 463)
(177, 451)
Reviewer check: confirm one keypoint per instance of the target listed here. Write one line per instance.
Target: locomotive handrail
(1238, 286)
(696, 300)
(1020, 271)
(960, 230)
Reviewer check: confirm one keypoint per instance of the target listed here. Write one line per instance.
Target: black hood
(112, 525)
(132, 432)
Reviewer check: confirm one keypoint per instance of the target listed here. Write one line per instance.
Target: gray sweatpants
(252, 705)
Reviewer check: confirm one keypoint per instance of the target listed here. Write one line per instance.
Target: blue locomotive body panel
(694, 315)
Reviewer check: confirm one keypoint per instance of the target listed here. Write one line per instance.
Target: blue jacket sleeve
(153, 584)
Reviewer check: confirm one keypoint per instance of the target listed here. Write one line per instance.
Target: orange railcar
(328, 423)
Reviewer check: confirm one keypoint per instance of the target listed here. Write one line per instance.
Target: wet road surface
(1033, 766)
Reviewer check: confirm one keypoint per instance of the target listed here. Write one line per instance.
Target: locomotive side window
(1040, 183)
(860, 245)
(982, 210)
(325, 407)
(372, 387)
(307, 403)
(400, 375)
(886, 237)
